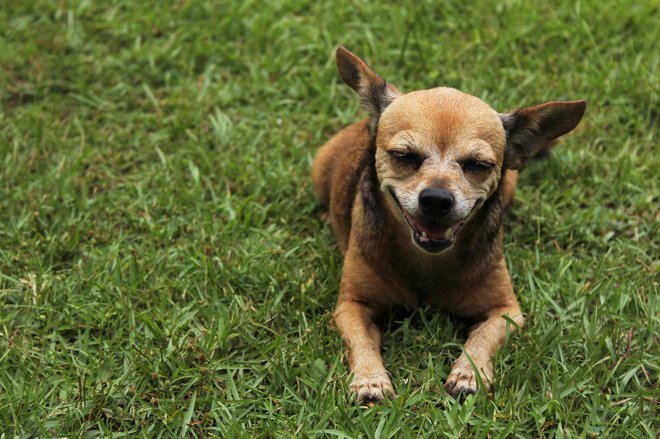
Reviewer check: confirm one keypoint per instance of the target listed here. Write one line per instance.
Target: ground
(164, 270)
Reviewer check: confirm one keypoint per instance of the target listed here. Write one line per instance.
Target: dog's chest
(435, 288)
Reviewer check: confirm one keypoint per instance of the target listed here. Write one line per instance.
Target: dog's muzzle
(430, 235)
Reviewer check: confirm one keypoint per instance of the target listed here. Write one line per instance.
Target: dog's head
(440, 153)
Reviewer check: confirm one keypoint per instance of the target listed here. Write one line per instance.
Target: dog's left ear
(375, 93)
(530, 129)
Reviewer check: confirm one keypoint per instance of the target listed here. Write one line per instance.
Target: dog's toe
(449, 385)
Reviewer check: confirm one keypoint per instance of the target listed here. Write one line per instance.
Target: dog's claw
(467, 390)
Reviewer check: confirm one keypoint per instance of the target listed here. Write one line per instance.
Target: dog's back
(336, 173)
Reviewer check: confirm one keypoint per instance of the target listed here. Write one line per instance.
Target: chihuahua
(416, 194)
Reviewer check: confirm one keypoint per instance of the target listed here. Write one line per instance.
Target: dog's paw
(372, 388)
(462, 379)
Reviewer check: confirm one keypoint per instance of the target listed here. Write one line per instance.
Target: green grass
(163, 267)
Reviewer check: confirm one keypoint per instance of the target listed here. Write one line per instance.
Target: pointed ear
(375, 93)
(530, 129)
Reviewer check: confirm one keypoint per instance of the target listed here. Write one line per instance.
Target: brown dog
(416, 194)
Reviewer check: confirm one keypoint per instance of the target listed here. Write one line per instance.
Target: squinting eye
(406, 158)
(476, 166)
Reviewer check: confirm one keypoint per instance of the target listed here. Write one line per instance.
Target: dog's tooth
(424, 235)
(448, 233)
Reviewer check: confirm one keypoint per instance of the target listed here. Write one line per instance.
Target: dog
(416, 193)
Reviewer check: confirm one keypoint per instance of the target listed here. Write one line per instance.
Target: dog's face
(440, 153)
(439, 157)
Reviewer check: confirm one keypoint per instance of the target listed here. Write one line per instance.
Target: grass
(163, 267)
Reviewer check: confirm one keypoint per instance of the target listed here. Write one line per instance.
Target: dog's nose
(435, 202)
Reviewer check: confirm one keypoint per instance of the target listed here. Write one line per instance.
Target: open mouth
(430, 235)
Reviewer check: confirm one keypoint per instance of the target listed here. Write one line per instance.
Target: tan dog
(416, 194)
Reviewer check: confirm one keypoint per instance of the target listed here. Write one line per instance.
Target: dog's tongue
(432, 231)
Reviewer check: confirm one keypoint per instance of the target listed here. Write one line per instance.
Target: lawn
(164, 270)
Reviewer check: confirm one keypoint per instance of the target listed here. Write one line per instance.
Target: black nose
(435, 202)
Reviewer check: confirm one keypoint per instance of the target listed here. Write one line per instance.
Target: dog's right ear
(375, 93)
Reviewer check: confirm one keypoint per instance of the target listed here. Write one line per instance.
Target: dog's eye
(476, 166)
(406, 158)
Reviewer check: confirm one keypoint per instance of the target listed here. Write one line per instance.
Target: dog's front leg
(355, 321)
(483, 340)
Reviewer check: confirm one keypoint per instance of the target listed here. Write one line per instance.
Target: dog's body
(438, 166)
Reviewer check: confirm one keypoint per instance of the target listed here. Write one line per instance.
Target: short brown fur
(374, 200)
